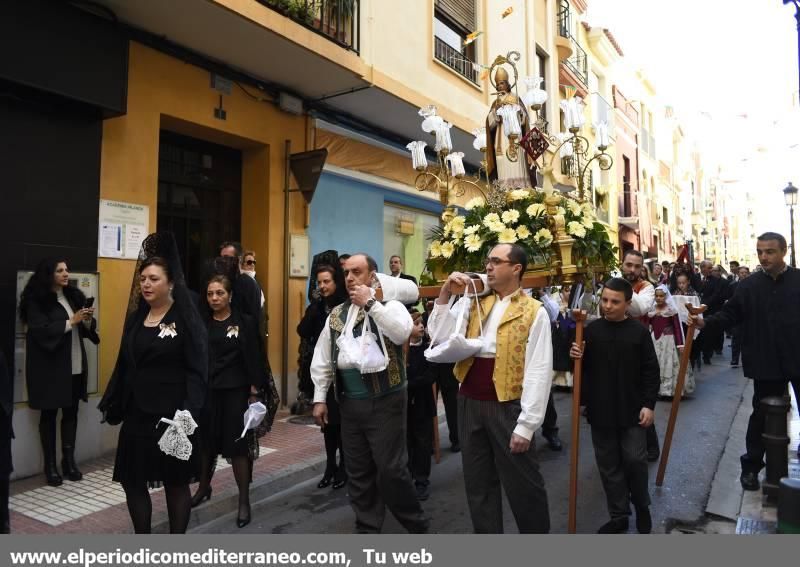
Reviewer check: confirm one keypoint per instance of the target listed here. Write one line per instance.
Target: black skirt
(223, 421)
(139, 459)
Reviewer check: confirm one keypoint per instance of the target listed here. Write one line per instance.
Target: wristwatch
(369, 304)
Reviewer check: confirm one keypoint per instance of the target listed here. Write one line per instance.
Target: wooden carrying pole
(677, 394)
(579, 317)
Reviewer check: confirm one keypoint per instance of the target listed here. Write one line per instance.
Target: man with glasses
(503, 394)
(246, 290)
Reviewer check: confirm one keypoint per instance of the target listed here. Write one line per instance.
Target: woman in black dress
(236, 375)
(58, 318)
(331, 287)
(161, 368)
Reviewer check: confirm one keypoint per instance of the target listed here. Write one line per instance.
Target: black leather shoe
(614, 526)
(644, 522)
(750, 481)
(199, 497)
(422, 492)
(455, 448)
(553, 441)
(734, 364)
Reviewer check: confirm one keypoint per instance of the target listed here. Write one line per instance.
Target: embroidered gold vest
(512, 339)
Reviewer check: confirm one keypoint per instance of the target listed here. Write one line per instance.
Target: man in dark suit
(736, 332)
(712, 295)
(396, 269)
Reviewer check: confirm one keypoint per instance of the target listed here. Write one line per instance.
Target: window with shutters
(453, 21)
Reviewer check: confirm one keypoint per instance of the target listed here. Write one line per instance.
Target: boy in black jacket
(421, 407)
(619, 391)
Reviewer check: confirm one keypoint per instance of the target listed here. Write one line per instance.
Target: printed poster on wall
(123, 227)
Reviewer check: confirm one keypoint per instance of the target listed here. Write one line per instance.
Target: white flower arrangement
(523, 232)
(447, 249)
(507, 236)
(535, 210)
(543, 237)
(576, 229)
(472, 229)
(518, 195)
(435, 249)
(475, 202)
(473, 243)
(510, 216)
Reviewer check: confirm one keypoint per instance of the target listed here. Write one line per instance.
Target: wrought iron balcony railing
(454, 59)
(338, 20)
(578, 62)
(564, 19)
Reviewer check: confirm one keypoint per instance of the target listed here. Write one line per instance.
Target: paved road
(701, 433)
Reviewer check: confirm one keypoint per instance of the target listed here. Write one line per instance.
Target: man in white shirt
(372, 405)
(503, 394)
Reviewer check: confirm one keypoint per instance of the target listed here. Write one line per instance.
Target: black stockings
(140, 507)
(333, 442)
(242, 471)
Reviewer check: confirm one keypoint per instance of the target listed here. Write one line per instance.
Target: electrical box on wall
(291, 104)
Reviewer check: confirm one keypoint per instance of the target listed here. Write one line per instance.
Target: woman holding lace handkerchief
(162, 368)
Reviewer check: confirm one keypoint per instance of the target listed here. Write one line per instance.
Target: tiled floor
(97, 505)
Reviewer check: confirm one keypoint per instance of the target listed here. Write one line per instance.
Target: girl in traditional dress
(667, 333)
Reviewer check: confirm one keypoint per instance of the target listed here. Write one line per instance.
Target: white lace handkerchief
(175, 440)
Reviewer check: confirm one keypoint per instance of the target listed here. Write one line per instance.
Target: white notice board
(122, 228)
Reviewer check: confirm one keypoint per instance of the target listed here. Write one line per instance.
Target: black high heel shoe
(339, 479)
(327, 479)
(199, 497)
(242, 522)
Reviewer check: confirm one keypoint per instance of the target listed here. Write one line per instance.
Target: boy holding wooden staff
(620, 387)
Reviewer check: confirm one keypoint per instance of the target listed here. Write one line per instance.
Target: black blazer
(48, 352)
(171, 374)
(255, 370)
(712, 294)
(403, 276)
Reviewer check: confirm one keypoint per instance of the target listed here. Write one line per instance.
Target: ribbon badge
(233, 331)
(167, 330)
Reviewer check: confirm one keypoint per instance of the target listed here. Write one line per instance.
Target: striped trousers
(484, 430)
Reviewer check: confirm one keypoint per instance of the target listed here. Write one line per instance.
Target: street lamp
(704, 234)
(796, 17)
(790, 196)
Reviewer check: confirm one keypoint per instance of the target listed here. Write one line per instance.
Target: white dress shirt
(393, 321)
(77, 359)
(643, 302)
(538, 373)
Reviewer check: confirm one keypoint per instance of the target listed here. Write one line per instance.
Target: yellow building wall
(165, 93)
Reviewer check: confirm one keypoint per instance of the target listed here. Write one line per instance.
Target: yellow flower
(490, 219)
(475, 202)
(535, 210)
(447, 249)
(523, 232)
(497, 227)
(518, 195)
(435, 249)
(458, 222)
(472, 229)
(576, 229)
(588, 222)
(588, 209)
(574, 207)
(446, 230)
(473, 243)
(510, 216)
(561, 211)
(507, 236)
(543, 237)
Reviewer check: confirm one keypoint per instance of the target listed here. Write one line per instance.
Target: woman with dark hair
(161, 368)
(236, 375)
(58, 318)
(331, 292)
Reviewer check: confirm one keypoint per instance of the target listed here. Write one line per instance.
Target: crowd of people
(371, 368)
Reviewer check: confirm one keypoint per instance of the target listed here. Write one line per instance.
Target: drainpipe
(285, 322)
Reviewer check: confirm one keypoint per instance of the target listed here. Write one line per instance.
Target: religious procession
(483, 304)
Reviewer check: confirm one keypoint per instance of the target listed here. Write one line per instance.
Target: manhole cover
(302, 420)
(749, 526)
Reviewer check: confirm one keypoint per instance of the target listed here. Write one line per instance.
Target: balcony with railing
(338, 20)
(454, 59)
(629, 207)
(578, 62)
